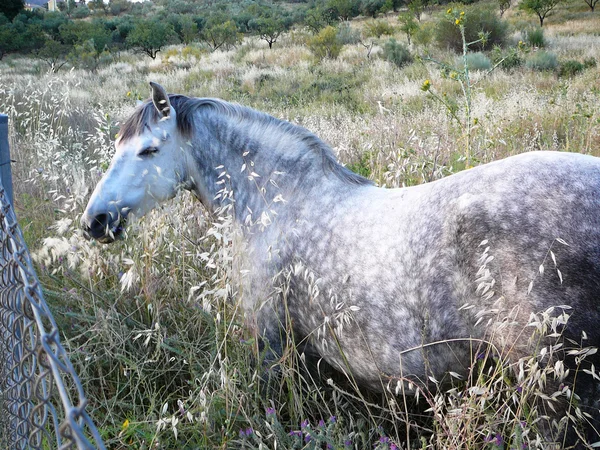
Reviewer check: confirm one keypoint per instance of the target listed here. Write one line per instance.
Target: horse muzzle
(103, 227)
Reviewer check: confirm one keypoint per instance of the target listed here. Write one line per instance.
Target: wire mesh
(42, 403)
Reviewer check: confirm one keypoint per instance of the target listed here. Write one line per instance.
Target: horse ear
(160, 98)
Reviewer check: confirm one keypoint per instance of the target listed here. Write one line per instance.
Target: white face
(146, 170)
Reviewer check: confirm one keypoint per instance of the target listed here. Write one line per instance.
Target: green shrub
(378, 28)
(326, 44)
(478, 61)
(507, 59)
(424, 34)
(542, 60)
(589, 62)
(477, 19)
(570, 68)
(373, 8)
(396, 53)
(535, 37)
(81, 12)
(348, 35)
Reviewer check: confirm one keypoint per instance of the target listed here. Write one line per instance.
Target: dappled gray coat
(387, 285)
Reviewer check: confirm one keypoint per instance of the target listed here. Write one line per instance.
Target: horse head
(147, 169)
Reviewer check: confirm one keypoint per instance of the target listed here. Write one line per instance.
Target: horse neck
(261, 168)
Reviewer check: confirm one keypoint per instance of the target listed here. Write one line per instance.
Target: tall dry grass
(152, 322)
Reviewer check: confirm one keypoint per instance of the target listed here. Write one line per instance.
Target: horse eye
(148, 151)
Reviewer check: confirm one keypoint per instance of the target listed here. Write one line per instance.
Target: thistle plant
(460, 74)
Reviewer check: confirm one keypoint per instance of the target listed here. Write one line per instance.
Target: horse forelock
(185, 111)
(146, 115)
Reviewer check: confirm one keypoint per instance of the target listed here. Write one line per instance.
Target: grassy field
(151, 322)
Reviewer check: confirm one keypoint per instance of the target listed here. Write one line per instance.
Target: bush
(396, 53)
(589, 62)
(542, 60)
(373, 8)
(348, 35)
(326, 44)
(378, 28)
(535, 37)
(509, 59)
(424, 35)
(478, 61)
(477, 19)
(81, 12)
(570, 68)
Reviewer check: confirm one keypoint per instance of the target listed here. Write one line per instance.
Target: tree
(543, 8)
(97, 5)
(88, 56)
(345, 9)
(27, 35)
(314, 19)
(10, 39)
(67, 7)
(52, 23)
(218, 35)
(120, 27)
(268, 28)
(377, 28)
(80, 32)
(150, 36)
(189, 29)
(591, 4)
(326, 44)
(397, 4)
(408, 25)
(10, 8)
(373, 8)
(504, 5)
(416, 8)
(117, 7)
(54, 54)
(81, 12)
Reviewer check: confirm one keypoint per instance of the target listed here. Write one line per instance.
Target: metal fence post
(5, 169)
(42, 403)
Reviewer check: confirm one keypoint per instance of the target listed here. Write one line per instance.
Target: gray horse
(387, 285)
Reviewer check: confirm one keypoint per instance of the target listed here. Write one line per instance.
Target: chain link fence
(42, 403)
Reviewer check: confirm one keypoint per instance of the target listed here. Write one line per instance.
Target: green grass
(149, 321)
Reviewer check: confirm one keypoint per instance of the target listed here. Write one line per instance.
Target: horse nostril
(102, 227)
(99, 223)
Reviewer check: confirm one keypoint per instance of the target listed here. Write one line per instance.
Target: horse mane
(186, 107)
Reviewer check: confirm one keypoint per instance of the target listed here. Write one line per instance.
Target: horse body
(385, 284)
(408, 259)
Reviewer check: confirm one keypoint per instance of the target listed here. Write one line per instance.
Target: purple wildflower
(246, 432)
(295, 433)
(307, 438)
(332, 419)
(495, 440)
(321, 423)
(270, 411)
(304, 424)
